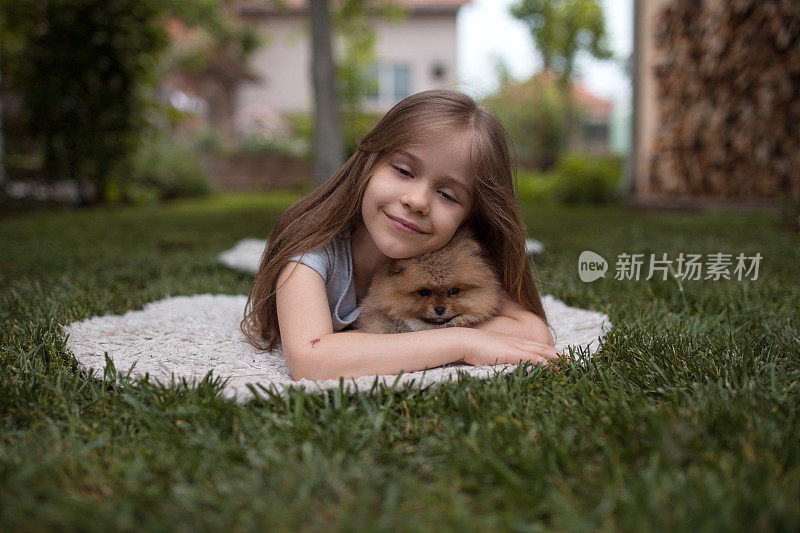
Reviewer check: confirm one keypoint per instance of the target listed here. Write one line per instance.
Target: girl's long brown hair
(316, 219)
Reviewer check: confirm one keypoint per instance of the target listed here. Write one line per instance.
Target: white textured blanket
(188, 336)
(185, 337)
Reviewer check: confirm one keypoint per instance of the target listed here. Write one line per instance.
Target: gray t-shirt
(334, 262)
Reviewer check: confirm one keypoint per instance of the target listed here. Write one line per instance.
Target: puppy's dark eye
(452, 291)
(424, 292)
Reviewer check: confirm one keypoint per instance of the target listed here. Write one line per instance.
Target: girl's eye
(402, 171)
(448, 197)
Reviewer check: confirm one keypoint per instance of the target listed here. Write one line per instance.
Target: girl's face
(427, 185)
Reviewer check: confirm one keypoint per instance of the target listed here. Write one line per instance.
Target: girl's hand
(490, 348)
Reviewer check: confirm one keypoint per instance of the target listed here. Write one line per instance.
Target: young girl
(434, 162)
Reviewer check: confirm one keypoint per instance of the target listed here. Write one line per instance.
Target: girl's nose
(416, 198)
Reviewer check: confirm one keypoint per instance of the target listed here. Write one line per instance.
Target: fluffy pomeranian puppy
(452, 286)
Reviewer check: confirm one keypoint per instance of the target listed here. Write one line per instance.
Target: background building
(412, 56)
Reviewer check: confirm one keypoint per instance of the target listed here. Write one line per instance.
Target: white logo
(687, 266)
(591, 266)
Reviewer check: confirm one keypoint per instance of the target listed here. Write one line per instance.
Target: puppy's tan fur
(452, 286)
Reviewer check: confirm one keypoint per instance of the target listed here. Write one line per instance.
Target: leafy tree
(560, 29)
(215, 57)
(85, 72)
(79, 66)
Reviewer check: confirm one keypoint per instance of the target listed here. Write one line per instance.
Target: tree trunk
(573, 131)
(328, 142)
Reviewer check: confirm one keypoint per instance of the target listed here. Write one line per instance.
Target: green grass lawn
(688, 421)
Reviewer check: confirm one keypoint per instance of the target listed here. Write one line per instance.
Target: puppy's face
(453, 286)
(435, 290)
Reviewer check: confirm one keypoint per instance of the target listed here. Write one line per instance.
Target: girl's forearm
(352, 354)
(533, 329)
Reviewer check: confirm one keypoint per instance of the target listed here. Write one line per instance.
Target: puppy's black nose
(439, 310)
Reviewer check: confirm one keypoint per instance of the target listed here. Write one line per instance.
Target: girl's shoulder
(329, 258)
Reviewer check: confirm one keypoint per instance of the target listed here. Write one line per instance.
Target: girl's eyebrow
(448, 179)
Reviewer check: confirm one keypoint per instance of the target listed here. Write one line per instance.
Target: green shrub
(161, 169)
(207, 140)
(587, 180)
(302, 125)
(535, 187)
(260, 144)
(354, 126)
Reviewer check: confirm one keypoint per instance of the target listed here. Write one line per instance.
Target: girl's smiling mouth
(402, 227)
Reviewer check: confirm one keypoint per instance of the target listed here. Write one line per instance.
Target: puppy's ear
(396, 269)
(463, 233)
(467, 243)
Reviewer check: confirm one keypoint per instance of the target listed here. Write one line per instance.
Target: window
(595, 131)
(393, 82)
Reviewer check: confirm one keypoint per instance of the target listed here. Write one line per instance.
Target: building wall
(283, 65)
(421, 42)
(424, 42)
